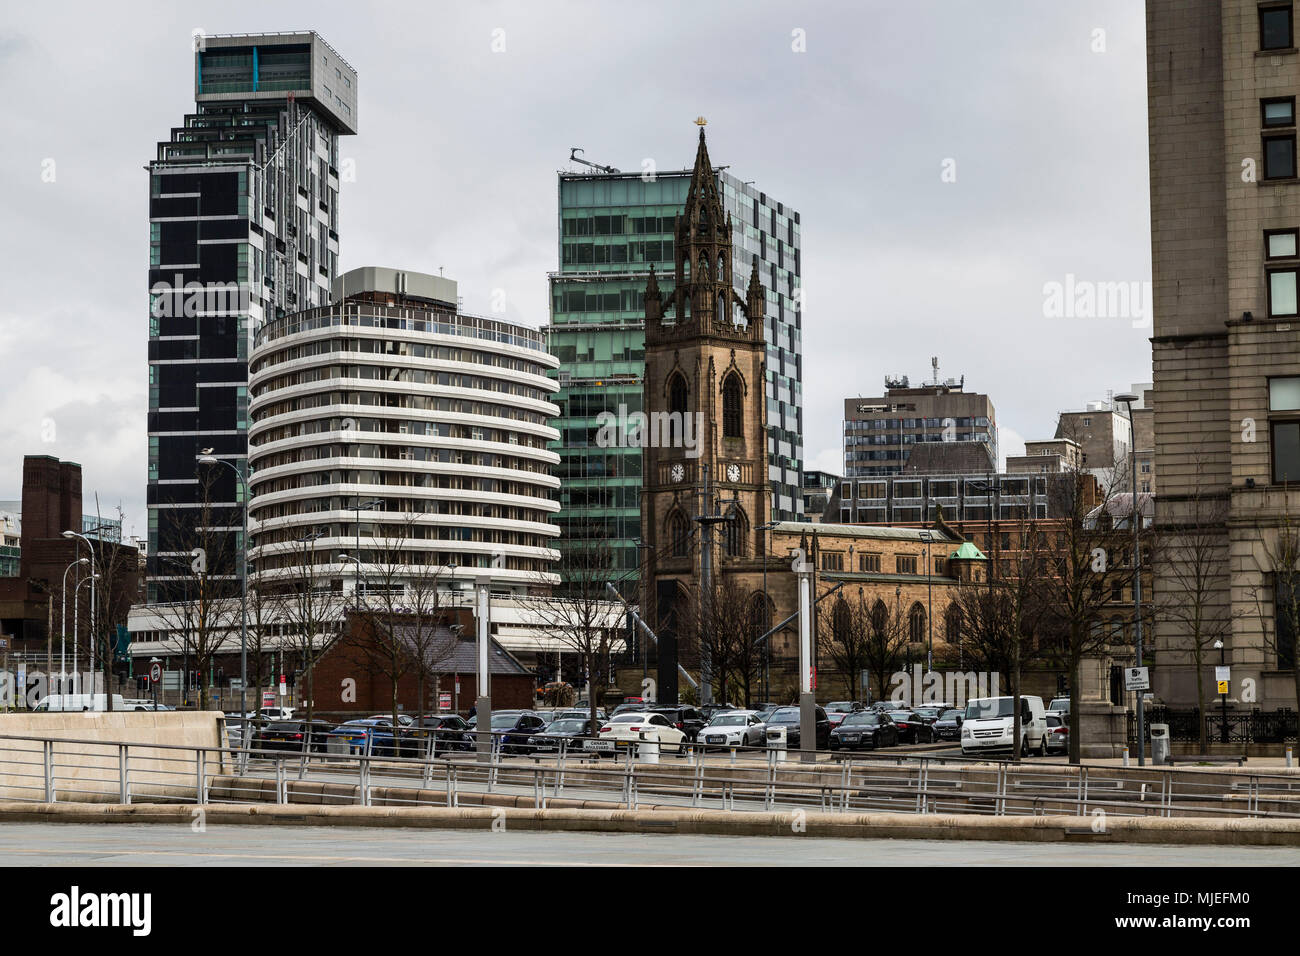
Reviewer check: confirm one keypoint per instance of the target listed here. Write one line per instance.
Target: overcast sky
(949, 161)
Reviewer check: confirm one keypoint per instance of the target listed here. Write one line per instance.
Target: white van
(72, 703)
(989, 723)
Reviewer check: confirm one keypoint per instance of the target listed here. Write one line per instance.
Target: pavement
(40, 844)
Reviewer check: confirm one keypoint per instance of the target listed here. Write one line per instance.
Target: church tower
(705, 401)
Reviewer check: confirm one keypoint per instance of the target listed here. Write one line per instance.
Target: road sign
(444, 701)
(268, 698)
(1222, 673)
(284, 688)
(1137, 678)
(1223, 687)
(155, 673)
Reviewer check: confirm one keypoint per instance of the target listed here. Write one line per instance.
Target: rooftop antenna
(934, 364)
(575, 158)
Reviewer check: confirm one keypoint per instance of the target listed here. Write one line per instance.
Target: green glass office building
(612, 227)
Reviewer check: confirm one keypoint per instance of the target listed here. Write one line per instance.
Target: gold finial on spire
(701, 121)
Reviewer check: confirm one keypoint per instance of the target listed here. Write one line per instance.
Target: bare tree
(199, 607)
(312, 616)
(1088, 559)
(885, 645)
(1193, 565)
(577, 613)
(724, 625)
(844, 638)
(1280, 587)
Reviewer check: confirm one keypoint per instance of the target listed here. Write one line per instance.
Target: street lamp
(372, 503)
(1128, 398)
(93, 577)
(1223, 700)
(63, 625)
(207, 458)
(357, 561)
(929, 605)
(767, 622)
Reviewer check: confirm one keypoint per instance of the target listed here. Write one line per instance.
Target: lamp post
(1128, 399)
(929, 605)
(207, 458)
(94, 575)
(63, 624)
(353, 558)
(76, 631)
(1223, 700)
(357, 508)
(767, 622)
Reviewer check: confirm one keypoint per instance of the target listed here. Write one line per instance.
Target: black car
(865, 730)
(512, 728)
(948, 726)
(292, 735)
(708, 710)
(567, 730)
(912, 728)
(449, 732)
(686, 719)
(788, 717)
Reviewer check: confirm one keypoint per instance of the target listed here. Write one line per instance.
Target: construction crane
(574, 158)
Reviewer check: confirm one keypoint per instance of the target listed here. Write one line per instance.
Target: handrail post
(48, 758)
(201, 763)
(123, 775)
(279, 780)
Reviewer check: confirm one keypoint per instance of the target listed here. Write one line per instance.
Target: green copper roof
(968, 552)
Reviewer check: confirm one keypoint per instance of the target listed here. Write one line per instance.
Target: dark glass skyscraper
(243, 222)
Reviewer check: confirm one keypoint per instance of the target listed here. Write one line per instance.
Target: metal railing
(1232, 726)
(49, 769)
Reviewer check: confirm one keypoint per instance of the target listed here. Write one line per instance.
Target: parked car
(948, 726)
(844, 707)
(64, 703)
(629, 707)
(1061, 707)
(708, 710)
(580, 713)
(929, 714)
(449, 732)
(734, 728)
(512, 728)
(1058, 733)
(989, 725)
(686, 719)
(627, 729)
(403, 720)
(293, 735)
(912, 729)
(372, 734)
(569, 731)
(788, 717)
(865, 730)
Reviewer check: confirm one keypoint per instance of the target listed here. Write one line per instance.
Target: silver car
(733, 728)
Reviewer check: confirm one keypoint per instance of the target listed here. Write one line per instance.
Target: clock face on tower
(733, 473)
(678, 472)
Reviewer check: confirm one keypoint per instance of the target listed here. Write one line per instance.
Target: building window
(1278, 111)
(869, 563)
(679, 530)
(916, 624)
(905, 564)
(1279, 157)
(737, 531)
(1275, 28)
(1280, 244)
(1282, 292)
(1286, 451)
(832, 561)
(731, 407)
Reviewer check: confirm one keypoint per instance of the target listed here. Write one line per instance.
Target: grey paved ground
(35, 844)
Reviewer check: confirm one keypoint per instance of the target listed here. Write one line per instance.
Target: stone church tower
(705, 399)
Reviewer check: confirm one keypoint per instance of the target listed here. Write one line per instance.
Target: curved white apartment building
(391, 395)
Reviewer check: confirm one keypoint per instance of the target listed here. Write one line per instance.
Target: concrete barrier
(1053, 829)
(88, 770)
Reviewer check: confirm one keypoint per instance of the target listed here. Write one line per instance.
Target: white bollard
(648, 750)
(1126, 755)
(776, 739)
(1288, 757)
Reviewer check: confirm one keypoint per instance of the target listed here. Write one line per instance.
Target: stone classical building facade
(1225, 225)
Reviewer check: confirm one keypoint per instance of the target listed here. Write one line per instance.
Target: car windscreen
(786, 715)
(729, 720)
(903, 715)
(284, 726)
(858, 720)
(504, 721)
(989, 708)
(628, 718)
(567, 727)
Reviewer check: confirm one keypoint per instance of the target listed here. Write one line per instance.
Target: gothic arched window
(879, 619)
(841, 622)
(736, 533)
(916, 624)
(732, 419)
(679, 533)
(677, 399)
